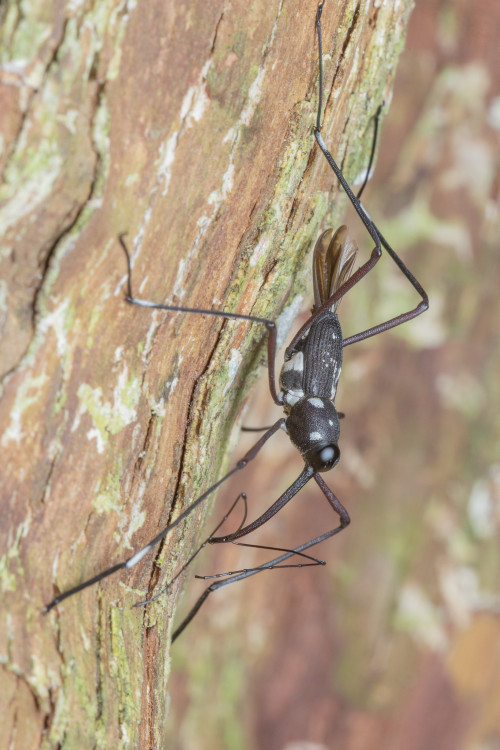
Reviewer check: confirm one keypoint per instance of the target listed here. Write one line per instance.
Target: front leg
(277, 563)
(270, 324)
(301, 480)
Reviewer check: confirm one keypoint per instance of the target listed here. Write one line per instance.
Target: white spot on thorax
(315, 436)
(317, 402)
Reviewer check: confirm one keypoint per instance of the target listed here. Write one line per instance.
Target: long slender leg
(403, 317)
(241, 496)
(274, 564)
(317, 132)
(420, 308)
(372, 152)
(315, 561)
(269, 324)
(301, 480)
(371, 228)
(131, 561)
(334, 501)
(254, 429)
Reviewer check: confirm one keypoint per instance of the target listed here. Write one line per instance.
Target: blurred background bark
(396, 644)
(189, 126)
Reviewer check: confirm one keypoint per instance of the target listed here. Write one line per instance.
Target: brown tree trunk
(188, 126)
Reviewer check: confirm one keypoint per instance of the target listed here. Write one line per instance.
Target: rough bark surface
(189, 126)
(395, 644)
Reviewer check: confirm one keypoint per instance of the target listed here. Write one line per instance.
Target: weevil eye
(326, 458)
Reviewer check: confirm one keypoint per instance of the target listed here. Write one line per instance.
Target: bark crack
(156, 569)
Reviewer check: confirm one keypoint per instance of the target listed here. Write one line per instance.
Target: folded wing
(333, 261)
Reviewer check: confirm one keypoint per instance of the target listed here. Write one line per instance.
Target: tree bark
(188, 126)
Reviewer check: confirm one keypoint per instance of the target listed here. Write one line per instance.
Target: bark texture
(395, 644)
(189, 126)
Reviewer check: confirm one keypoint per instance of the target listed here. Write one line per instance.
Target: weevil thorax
(314, 428)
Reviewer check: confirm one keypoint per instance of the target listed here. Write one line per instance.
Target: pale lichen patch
(58, 320)
(10, 580)
(111, 417)
(136, 522)
(287, 318)
(260, 250)
(193, 107)
(26, 396)
(196, 100)
(232, 368)
(221, 194)
(166, 159)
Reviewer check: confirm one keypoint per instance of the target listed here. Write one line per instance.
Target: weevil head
(314, 428)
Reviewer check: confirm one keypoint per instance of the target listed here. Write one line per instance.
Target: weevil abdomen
(312, 367)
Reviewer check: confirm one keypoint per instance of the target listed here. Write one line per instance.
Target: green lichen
(7, 577)
(29, 179)
(109, 497)
(61, 719)
(101, 136)
(28, 33)
(9, 24)
(120, 665)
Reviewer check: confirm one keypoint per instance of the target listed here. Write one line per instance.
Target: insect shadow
(307, 384)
